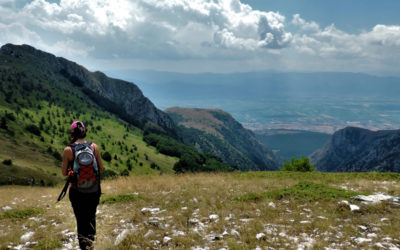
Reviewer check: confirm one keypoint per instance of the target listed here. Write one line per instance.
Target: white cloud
(192, 32)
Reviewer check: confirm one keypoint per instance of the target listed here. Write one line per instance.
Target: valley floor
(210, 211)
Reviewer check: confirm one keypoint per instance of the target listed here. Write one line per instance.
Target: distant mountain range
(355, 149)
(215, 131)
(319, 102)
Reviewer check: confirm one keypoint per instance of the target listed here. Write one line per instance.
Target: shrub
(33, 129)
(125, 172)
(7, 162)
(106, 156)
(301, 165)
(108, 173)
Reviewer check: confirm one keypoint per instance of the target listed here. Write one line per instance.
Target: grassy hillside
(36, 109)
(234, 211)
(292, 143)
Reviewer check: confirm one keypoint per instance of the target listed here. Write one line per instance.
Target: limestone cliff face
(215, 131)
(358, 149)
(126, 94)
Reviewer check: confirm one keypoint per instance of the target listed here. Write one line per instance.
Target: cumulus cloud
(194, 31)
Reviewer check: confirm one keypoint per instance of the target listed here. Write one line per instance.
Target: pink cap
(75, 124)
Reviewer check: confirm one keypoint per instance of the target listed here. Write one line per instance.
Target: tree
(300, 165)
(106, 156)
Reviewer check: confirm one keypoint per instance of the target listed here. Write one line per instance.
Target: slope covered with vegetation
(38, 103)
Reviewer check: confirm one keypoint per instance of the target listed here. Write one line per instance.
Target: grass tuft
(119, 198)
(302, 191)
(20, 213)
(48, 244)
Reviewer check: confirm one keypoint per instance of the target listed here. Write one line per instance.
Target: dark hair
(78, 132)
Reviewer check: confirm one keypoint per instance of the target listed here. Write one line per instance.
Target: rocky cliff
(357, 149)
(216, 131)
(124, 94)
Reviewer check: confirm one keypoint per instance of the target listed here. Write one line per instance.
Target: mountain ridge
(359, 149)
(129, 96)
(216, 131)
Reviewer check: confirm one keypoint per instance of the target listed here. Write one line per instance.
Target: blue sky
(348, 15)
(211, 35)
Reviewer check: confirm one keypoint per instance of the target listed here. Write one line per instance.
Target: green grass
(20, 213)
(303, 191)
(48, 244)
(321, 176)
(119, 198)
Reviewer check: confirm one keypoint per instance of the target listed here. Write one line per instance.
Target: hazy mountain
(292, 143)
(212, 130)
(357, 149)
(320, 102)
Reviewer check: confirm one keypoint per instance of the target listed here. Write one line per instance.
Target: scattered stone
(260, 236)
(178, 233)
(363, 227)
(322, 217)
(27, 236)
(225, 233)
(194, 221)
(166, 239)
(246, 220)
(121, 237)
(384, 219)
(214, 217)
(376, 198)
(271, 204)
(6, 208)
(354, 207)
(150, 232)
(147, 210)
(372, 235)
(195, 200)
(235, 233)
(305, 222)
(362, 240)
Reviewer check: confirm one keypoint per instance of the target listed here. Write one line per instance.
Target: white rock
(305, 222)
(260, 236)
(344, 202)
(225, 233)
(363, 227)
(166, 239)
(376, 198)
(150, 232)
(258, 248)
(372, 235)
(194, 221)
(146, 210)
(271, 204)
(235, 233)
(184, 208)
(246, 220)
(195, 200)
(214, 217)
(121, 237)
(6, 208)
(178, 233)
(322, 217)
(27, 236)
(362, 240)
(354, 207)
(384, 219)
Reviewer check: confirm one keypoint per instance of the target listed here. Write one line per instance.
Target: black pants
(85, 206)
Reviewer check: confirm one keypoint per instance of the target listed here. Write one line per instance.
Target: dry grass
(186, 216)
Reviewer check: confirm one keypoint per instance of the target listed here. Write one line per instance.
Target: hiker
(82, 164)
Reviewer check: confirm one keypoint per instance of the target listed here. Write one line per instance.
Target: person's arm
(98, 158)
(67, 157)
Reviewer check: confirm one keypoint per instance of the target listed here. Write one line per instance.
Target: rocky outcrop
(357, 149)
(126, 94)
(215, 131)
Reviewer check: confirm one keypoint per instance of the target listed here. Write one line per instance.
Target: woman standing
(82, 163)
